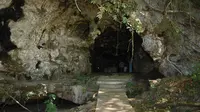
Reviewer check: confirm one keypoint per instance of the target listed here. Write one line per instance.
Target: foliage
(135, 23)
(50, 106)
(196, 73)
(119, 10)
(82, 79)
(133, 90)
(86, 80)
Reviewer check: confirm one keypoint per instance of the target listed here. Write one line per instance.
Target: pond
(37, 106)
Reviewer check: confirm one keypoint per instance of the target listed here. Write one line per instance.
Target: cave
(112, 53)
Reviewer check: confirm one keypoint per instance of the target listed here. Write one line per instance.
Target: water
(37, 106)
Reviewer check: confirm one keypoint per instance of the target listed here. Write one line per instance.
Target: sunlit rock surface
(48, 40)
(5, 3)
(153, 45)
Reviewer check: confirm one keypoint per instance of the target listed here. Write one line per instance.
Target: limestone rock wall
(170, 33)
(48, 42)
(5, 3)
(50, 38)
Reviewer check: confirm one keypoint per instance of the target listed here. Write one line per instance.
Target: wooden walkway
(112, 94)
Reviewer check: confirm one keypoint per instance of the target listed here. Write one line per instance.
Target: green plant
(133, 89)
(118, 10)
(50, 106)
(196, 73)
(82, 79)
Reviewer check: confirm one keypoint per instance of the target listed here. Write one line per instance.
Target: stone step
(116, 82)
(110, 78)
(110, 90)
(112, 86)
(114, 78)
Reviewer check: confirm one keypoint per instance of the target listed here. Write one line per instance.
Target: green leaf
(124, 20)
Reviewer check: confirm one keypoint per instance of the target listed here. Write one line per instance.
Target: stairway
(112, 94)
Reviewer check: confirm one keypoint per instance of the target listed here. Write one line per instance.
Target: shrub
(133, 89)
(196, 73)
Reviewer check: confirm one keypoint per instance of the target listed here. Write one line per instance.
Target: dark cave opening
(112, 53)
(13, 12)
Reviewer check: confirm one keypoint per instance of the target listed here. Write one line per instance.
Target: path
(112, 94)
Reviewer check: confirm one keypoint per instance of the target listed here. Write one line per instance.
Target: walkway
(112, 94)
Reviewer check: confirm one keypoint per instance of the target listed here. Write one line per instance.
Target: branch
(132, 46)
(17, 102)
(77, 5)
(129, 43)
(174, 65)
(165, 11)
(176, 11)
(167, 7)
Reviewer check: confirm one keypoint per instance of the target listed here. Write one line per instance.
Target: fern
(101, 12)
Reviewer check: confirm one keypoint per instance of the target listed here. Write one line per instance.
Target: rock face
(170, 34)
(5, 3)
(48, 40)
(51, 44)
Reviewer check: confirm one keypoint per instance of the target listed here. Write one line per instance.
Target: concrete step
(112, 90)
(113, 82)
(112, 86)
(110, 78)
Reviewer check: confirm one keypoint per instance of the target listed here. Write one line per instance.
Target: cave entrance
(111, 51)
